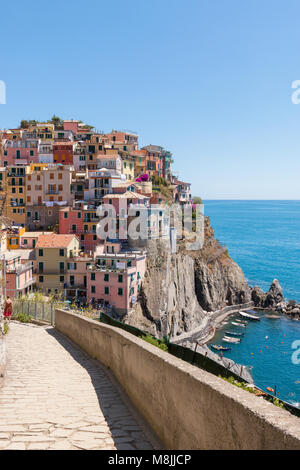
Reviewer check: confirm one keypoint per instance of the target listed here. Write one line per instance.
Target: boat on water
(238, 324)
(228, 339)
(233, 333)
(220, 348)
(249, 316)
(273, 317)
(241, 321)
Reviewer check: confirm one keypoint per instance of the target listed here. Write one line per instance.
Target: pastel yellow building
(53, 252)
(13, 237)
(16, 195)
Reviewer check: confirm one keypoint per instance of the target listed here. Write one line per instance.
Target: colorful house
(14, 235)
(115, 278)
(52, 253)
(19, 276)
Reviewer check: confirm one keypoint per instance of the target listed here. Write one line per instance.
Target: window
(120, 291)
(129, 263)
(41, 267)
(65, 215)
(120, 278)
(29, 187)
(78, 215)
(41, 278)
(60, 176)
(31, 153)
(93, 276)
(106, 277)
(93, 289)
(81, 237)
(61, 252)
(61, 266)
(106, 290)
(61, 278)
(52, 176)
(25, 241)
(41, 252)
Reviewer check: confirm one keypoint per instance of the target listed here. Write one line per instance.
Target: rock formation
(272, 299)
(180, 289)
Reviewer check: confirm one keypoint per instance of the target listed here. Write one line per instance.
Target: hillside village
(53, 177)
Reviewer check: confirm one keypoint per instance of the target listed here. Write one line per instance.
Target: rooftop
(127, 195)
(54, 241)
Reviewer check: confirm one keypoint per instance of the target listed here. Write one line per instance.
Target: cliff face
(179, 289)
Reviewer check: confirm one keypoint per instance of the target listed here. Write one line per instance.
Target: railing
(43, 311)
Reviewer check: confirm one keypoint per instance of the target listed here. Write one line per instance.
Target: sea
(263, 237)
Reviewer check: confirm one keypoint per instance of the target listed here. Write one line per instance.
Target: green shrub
(22, 317)
(243, 385)
(155, 342)
(6, 328)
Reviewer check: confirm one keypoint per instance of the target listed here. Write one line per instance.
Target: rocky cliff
(180, 289)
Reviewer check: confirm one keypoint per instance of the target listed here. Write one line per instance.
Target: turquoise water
(263, 237)
(271, 358)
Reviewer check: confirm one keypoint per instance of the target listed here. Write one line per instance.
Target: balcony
(20, 268)
(52, 191)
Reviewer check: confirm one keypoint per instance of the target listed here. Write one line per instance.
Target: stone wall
(187, 407)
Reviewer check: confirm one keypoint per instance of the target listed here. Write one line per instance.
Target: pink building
(81, 221)
(115, 277)
(71, 125)
(76, 282)
(19, 276)
(20, 152)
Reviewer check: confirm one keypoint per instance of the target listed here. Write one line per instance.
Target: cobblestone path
(54, 396)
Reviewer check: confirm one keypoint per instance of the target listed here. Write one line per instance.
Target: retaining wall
(187, 407)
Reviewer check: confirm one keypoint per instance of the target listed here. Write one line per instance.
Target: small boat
(219, 348)
(242, 322)
(238, 324)
(233, 333)
(270, 389)
(228, 339)
(249, 316)
(273, 317)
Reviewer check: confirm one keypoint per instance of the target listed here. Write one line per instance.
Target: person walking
(8, 308)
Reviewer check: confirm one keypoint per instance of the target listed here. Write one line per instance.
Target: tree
(24, 124)
(57, 121)
(197, 200)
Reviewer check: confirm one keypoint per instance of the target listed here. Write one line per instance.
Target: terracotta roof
(54, 241)
(177, 182)
(127, 195)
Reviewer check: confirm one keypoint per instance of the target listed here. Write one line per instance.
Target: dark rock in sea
(258, 296)
(275, 295)
(272, 299)
(291, 303)
(295, 311)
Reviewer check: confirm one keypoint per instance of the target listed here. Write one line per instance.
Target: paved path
(55, 396)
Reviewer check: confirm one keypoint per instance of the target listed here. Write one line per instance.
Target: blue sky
(208, 79)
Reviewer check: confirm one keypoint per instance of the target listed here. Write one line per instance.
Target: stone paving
(54, 396)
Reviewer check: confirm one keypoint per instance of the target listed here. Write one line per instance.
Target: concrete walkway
(55, 396)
